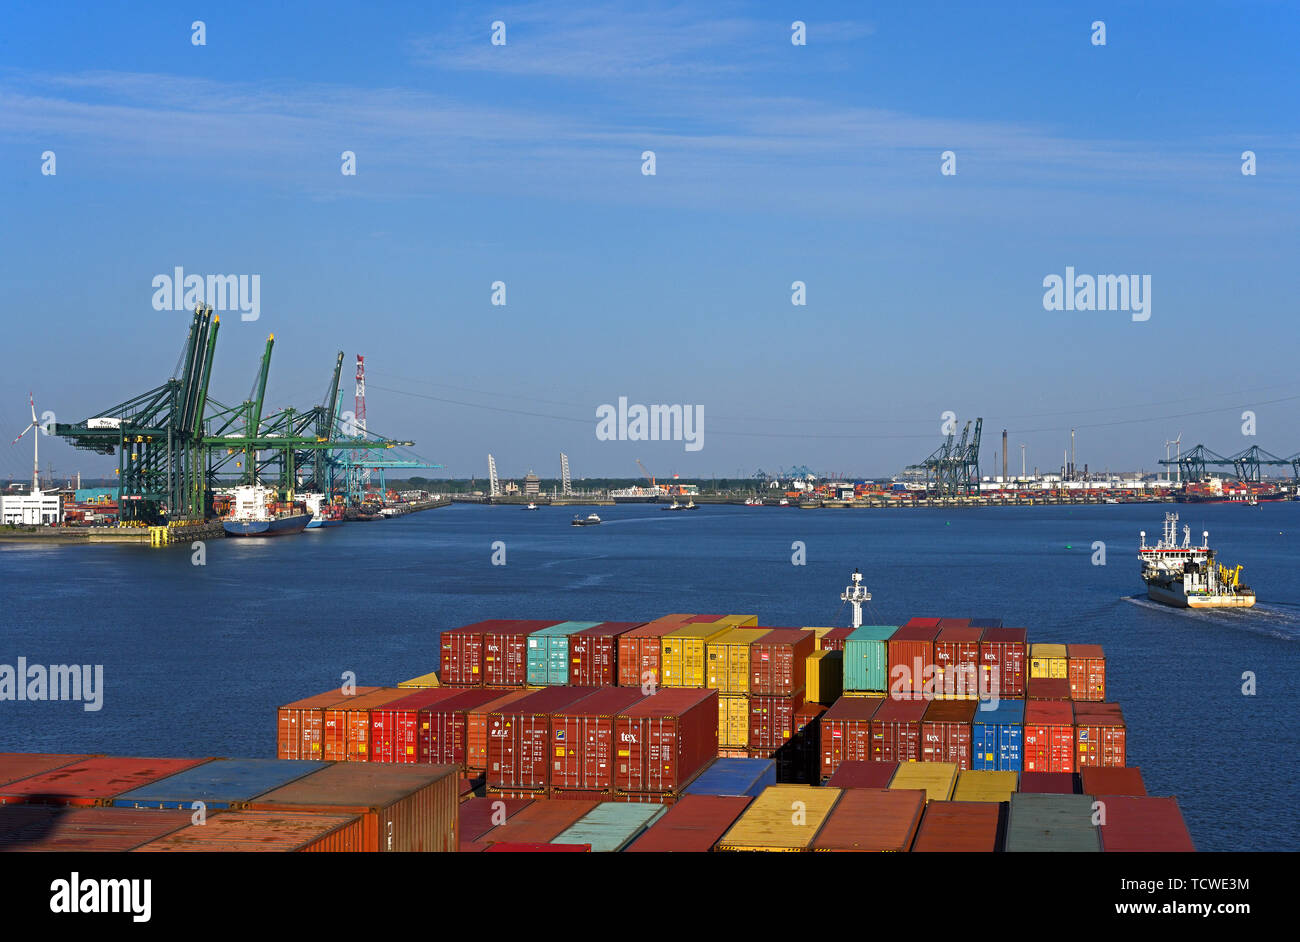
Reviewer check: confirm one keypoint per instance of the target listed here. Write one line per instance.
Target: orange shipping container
(347, 724)
(228, 831)
(1087, 669)
(639, 650)
(300, 725)
(778, 662)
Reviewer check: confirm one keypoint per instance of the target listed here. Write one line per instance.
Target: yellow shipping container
(936, 778)
(682, 654)
(738, 621)
(728, 655)
(818, 633)
(424, 680)
(825, 670)
(1048, 660)
(783, 817)
(733, 722)
(985, 785)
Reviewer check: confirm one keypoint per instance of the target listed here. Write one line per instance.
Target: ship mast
(855, 594)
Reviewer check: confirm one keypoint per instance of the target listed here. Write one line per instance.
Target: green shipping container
(866, 658)
(1051, 823)
(611, 825)
(548, 653)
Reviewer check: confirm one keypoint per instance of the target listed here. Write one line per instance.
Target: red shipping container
(461, 655)
(16, 765)
(394, 727)
(1049, 736)
(692, 825)
(872, 819)
(1104, 781)
(1144, 824)
(480, 815)
(1048, 688)
(858, 774)
(504, 847)
(46, 828)
(505, 651)
(442, 730)
(582, 740)
(519, 738)
(1048, 783)
(1087, 669)
(1101, 736)
(911, 658)
(946, 732)
(960, 826)
(846, 732)
(476, 736)
(956, 658)
(345, 734)
(834, 639)
(665, 740)
(771, 722)
(777, 662)
(91, 781)
(593, 653)
(896, 731)
(923, 623)
(638, 650)
(540, 821)
(1002, 661)
(300, 725)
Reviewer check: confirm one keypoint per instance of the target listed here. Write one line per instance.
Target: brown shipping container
(480, 815)
(519, 738)
(1144, 824)
(1102, 781)
(846, 733)
(395, 726)
(1004, 655)
(834, 639)
(693, 824)
(299, 725)
(540, 821)
(778, 662)
(859, 774)
(593, 653)
(639, 649)
(956, 659)
(872, 819)
(911, 648)
(946, 732)
(241, 831)
(505, 652)
(582, 740)
(442, 729)
(1048, 783)
(1087, 669)
(1100, 735)
(16, 765)
(404, 807)
(772, 722)
(665, 740)
(961, 827)
(461, 655)
(1048, 688)
(896, 731)
(339, 720)
(45, 828)
(91, 781)
(476, 720)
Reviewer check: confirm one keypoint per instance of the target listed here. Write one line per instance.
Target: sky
(775, 163)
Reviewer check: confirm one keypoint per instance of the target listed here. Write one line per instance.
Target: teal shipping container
(866, 658)
(548, 653)
(1052, 823)
(611, 825)
(997, 737)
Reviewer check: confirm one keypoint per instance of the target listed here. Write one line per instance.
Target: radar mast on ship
(855, 594)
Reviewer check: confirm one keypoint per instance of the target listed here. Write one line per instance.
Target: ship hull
(1220, 499)
(1177, 599)
(280, 526)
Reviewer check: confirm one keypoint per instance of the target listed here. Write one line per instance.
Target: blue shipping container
(219, 783)
(741, 777)
(986, 622)
(548, 653)
(997, 737)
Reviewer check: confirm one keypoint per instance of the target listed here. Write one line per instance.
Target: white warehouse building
(31, 509)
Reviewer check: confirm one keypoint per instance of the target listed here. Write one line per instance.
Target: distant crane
(1179, 443)
(36, 430)
(955, 465)
(648, 476)
(493, 490)
(565, 487)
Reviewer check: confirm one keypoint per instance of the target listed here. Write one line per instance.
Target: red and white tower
(360, 419)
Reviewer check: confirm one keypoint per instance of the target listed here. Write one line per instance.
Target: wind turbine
(36, 444)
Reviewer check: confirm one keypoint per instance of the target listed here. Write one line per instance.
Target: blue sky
(775, 163)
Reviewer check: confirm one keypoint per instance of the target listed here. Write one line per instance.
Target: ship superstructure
(1187, 576)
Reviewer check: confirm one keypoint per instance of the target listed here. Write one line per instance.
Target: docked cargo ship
(323, 513)
(1215, 491)
(1187, 576)
(254, 514)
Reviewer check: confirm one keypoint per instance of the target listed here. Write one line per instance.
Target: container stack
(778, 664)
(729, 673)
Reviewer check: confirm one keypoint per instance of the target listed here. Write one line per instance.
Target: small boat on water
(753, 502)
(673, 506)
(531, 506)
(588, 521)
(690, 505)
(1187, 576)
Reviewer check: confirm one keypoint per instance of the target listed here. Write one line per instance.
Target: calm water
(196, 659)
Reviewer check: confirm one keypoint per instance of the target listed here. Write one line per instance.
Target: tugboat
(690, 505)
(531, 506)
(1187, 576)
(588, 521)
(673, 506)
(254, 514)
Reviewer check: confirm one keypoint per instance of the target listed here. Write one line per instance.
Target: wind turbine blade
(21, 434)
(32, 399)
